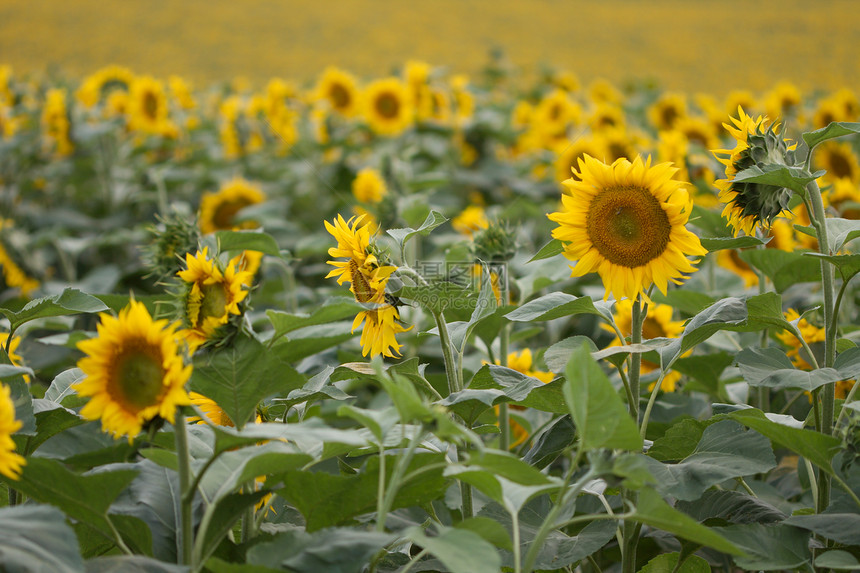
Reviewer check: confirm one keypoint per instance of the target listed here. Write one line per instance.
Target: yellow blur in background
(678, 44)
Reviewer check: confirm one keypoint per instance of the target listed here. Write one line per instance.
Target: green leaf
(437, 296)
(229, 241)
(37, 538)
(311, 340)
(841, 231)
(784, 268)
(847, 265)
(335, 550)
(333, 310)
(319, 387)
(70, 301)
(771, 368)
(558, 355)
(837, 559)
(377, 421)
(769, 547)
(485, 306)
(152, 302)
(557, 305)
(725, 451)
(818, 448)
(489, 529)
(831, 131)
(132, 564)
(226, 512)
(719, 243)
(309, 436)
(597, 411)
(504, 478)
(19, 392)
(679, 441)
(460, 550)
(653, 511)
(705, 368)
(551, 249)
(793, 178)
(433, 220)
(841, 527)
(688, 301)
(766, 309)
(326, 499)
(239, 376)
(725, 314)
(551, 442)
(51, 419)
(733, 506)
(10, 371)
(60, 390)
(667, 563)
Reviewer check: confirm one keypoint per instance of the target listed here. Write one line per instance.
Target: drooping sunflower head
(218, 210)
(381, 325)
(134, 370)
(387, 107)
(212, 295)
(369, 186)
(627, 221)
(752, 205)
(10, 462)
(340, 90)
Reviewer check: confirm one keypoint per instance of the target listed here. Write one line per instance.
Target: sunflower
(566, 80)
(369, 186)
(55, 123)
(340, 90)
(698, 131)
(752, 205)
(464, 101)
(839, 160)
(568, 155)
(103, 82)
(14, 358)
(387, 107)
(180, 90)
(844, 195)
(602, 91)
(627, 222)
(211, 296)
(473, 218)
(218, 210)
(811, 334)
(368, 280)
(10, 462)
(784, 100)
(606, 116)
(11, 273)
(739, 98)
(658, 324)
(147, 108)
(554, 113)
(668, 110)
(134, 371)
(828, 111)
(781, 236)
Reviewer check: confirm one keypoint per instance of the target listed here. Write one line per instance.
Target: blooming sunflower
(369, 186)
(14, 358)
(55, 123)
(10, 271)
(752, 205)
(134, 371)
(10, 462)
(668, 110)
(147, 108)
(839, 160)
(569, 153)
(784, 100)
(212, 295)
(627, 222)
(218, 210)
(100, 84)
(368, 280)
(473, 218)
(387, 107)
(340, 90)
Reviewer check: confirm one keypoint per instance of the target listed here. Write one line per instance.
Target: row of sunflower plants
(284, 375)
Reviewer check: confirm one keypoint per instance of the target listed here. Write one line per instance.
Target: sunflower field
(427, 321)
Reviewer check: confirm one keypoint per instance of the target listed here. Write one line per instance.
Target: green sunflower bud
(497, 243)
(173, 237)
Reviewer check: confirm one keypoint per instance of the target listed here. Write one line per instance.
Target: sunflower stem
(184, 459)
(504, 342)
(447, 354)
(637, 319)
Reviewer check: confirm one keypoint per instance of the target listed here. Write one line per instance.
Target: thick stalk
(504, 342)
(447, 354)
(631, 529)
(396, 478)
(183, 456)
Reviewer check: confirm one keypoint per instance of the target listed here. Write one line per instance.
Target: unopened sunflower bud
(496, 243)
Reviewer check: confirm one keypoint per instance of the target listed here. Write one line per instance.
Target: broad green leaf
(51, 419)
(847, 265)
(309, 436)
(60, 390)
(771, 368)
(216, 565)
(733, 506)
(841, 231)
(793, 178)
(720, 243)
(551, 442)
(485, 306)
(688, 301)
(841, 527)
(725, 451)
(831, 131)
(438, 296)
(460, 550)
(557, 305)
(766, 309)
(433, 220)
(240, 376)
(334, 550)
(154, 303)
(818, 448)
(325, 499)
(19, 392)
(132, 564)
(769, 547)
(710, 222)
(551, 249)
(837, 559)
(728, 313)
(226, 512)
(599, 415)
(668, 563)
(508, 466)
(69, 302)
(311, 340)
(82, 497)
(512, 495)
(10, 371)
(317, 388)
(489, 529)
(705, 368)
(679, 441)
(377, 421)
(37, 538)
(653, 511)
(784, 268)
(231, 241)
(85, 446)
(333, 310)
(558, 355)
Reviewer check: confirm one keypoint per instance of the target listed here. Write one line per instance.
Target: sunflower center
(226, 212)
(651, 328)
(388, 106)
(139, 376)
(669, 115)
(214, 301)
(339, 96)
(150, 105)
(839, 165)
(628, 226)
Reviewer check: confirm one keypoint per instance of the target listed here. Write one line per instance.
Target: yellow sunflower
(10, 462)
(134, 371)
(180, 90)
(13, 347)
(218, 210)
(811, 334)
(340, 90)
(668, 110)
(212, 295)
(739, 98)
(626, 221)
(12, 274)
(784, 100)
(781, 236)
(602, 91)
(99, 85)
(606, 116)
(658, 324)
(147, 108)
(369, 186)
(55, 123)
(839, 160)
(844, 196)
(387, 107)
(554, 113)
(473, 218)
(698, 131)
(751, 205)
(569, 153)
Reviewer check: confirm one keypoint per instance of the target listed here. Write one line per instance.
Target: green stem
(504, 342)
(403, 462)
(183, 457)
(447, 354)
(515, 533)
(637, 318)
(380, 491)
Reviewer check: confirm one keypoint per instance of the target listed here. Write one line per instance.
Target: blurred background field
(678, 44)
